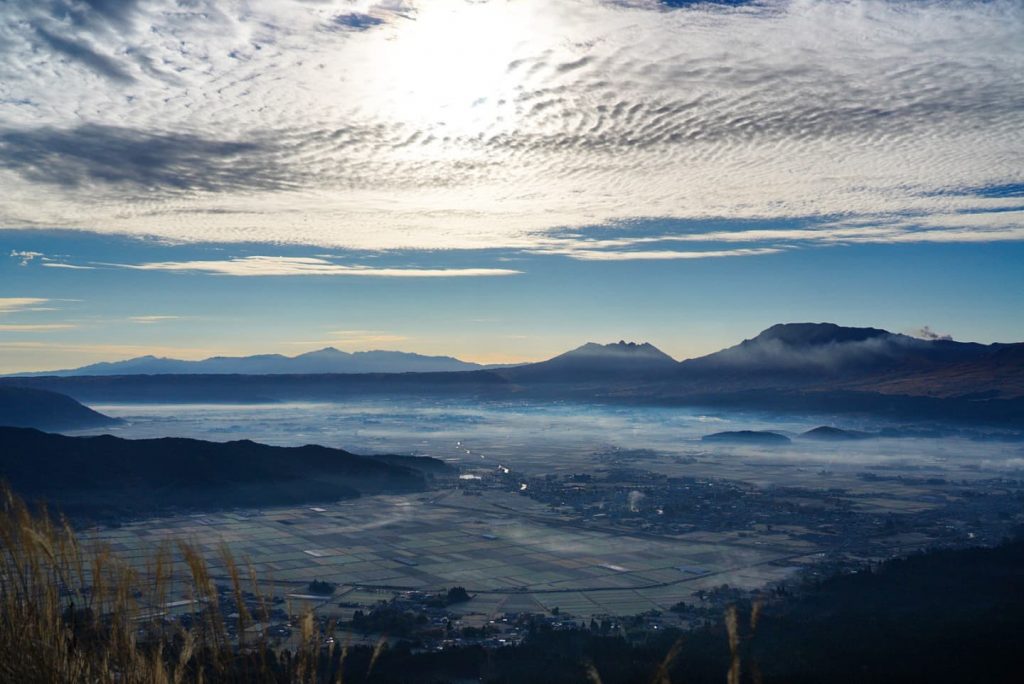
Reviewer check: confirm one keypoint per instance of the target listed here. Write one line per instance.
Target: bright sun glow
(450, 67)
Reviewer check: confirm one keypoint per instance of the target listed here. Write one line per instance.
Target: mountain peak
(818, 333)
(620, 347)
(326, 351)
(592, 361)
(326, 355)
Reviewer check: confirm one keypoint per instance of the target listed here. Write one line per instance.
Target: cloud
(828, 357)
(348, 337)
(153, 319)
(306, 266)
(355, 21)
(15, 304)
(578, 252)
(469, 125)
(73, 267)
(926, 333)
(86, 55)
(35, 327)
(142, 161)
(25, 257)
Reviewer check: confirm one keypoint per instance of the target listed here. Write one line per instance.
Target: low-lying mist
(536, 436)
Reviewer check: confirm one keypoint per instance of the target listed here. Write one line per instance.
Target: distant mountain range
(326, 360)
(798, 367)
(109, 476)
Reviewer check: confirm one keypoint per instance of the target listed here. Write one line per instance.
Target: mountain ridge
(146, 476)
(595, 362)
(324, 360)
(26, 407)
(795, 367)
(808, 354)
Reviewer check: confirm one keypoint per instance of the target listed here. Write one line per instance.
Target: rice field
(375, 547)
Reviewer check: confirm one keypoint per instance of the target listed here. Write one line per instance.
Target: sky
(502, 180)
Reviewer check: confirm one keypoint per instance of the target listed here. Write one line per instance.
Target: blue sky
(686, 307)
(502, 180)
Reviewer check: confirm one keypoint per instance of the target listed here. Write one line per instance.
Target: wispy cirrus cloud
(362, 337)
(35, 327)
(307, 266)
(72, 267)
(147, 320)
(583, 253)
(16, 304)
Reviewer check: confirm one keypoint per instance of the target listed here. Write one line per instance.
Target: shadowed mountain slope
(827, 433)
(36, 408)
(807, 354)
(997, 373)
(616, 361)
(104, 475)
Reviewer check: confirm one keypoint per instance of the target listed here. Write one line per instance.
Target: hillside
(827, 433)
(825, 355)
(37, 408)
(746, 437)
(105, 475)
(996, 374)
(596, 362)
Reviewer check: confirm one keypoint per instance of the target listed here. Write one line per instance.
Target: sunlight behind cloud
(468, 125)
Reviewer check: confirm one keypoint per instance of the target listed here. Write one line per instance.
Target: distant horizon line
(924, 334)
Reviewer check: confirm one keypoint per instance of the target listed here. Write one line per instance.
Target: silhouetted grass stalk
(69, 613)
(75, 614)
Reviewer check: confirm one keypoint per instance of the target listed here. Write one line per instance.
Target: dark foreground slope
(109, 476)
(943, 617)
(45, 410)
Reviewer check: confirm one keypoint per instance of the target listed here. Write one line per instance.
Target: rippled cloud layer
(451, 124)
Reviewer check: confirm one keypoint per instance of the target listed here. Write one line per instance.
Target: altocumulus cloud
(375, 125)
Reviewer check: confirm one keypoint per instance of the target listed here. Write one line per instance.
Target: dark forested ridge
(96, 476)
(45, 410)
